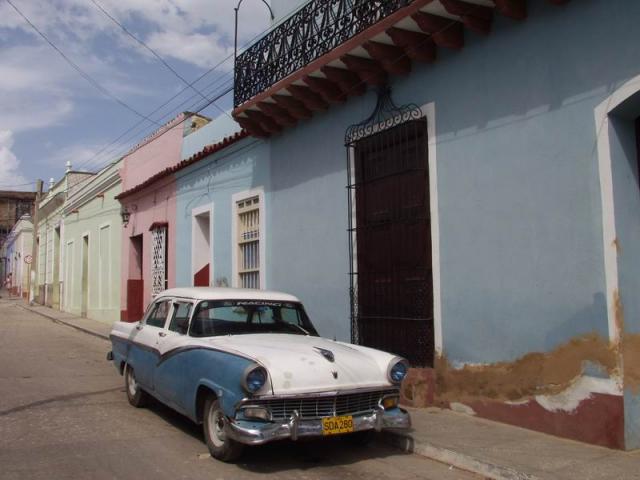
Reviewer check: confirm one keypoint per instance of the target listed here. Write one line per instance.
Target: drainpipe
(34, 247)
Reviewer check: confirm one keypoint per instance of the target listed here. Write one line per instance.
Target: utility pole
(34, 247)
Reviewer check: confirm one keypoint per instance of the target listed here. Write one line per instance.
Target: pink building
(148, 208)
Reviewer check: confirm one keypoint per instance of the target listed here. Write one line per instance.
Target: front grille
(325, 405)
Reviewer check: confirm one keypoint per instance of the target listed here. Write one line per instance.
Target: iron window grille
(249, 242)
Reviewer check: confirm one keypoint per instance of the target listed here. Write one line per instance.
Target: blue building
(454, 181)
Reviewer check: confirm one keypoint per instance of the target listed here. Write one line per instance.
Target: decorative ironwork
(314, 30)
(390, 287)
(385, 115)
(158, 260)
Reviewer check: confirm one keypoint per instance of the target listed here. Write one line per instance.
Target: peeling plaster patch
(533, 374)
(631, 348)
(461, 408)
(580, 390)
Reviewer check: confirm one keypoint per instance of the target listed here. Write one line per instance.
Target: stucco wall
(157, 203)
(519, 199)
(154, 156)
(623, 156)
(213, 132)
(212, 182)
(100, 220)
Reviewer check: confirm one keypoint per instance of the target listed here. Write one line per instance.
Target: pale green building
(91, 248)
(49, 285)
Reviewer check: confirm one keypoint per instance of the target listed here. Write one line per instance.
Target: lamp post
(235, 37)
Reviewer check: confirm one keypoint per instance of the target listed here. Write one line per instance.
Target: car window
(180, 319)
(291, 315)
(158, 314)
(236, 317)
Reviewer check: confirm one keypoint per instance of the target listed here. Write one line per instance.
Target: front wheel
(136, 396)
(220, 445)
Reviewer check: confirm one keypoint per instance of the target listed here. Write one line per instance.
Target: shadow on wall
(521, 70)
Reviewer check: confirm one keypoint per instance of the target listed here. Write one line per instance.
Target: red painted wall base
(598, 420)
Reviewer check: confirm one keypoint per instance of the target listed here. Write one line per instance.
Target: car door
(169, 376)
(144, 354)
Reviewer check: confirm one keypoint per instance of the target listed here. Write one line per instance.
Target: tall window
(158, 258)
(248, 211)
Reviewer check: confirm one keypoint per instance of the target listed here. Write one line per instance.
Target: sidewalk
(490, 449)
(501, 451)
(86, 325)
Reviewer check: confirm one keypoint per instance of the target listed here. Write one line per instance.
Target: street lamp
(235, 38)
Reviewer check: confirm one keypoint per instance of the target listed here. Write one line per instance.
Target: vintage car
(250, 366)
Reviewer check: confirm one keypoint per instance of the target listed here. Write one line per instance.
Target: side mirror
(139, 325)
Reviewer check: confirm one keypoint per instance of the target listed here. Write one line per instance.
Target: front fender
(228, 398)
(186, 370)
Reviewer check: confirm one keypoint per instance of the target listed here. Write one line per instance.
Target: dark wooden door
(394, 296)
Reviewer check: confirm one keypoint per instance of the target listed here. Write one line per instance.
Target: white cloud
(10, 175)
(85, 156)
(203, 50)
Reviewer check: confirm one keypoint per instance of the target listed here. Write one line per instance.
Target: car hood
(296, 363)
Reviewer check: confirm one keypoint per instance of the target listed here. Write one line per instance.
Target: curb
(407, 443)
(62, 322)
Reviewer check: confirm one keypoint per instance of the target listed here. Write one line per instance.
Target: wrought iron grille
(314, 30)
(391, 286)
(158, 260)
(325, 406)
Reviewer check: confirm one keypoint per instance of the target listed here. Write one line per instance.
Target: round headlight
(398, 370)
(255, 379)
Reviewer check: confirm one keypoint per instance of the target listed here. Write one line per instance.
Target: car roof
(219, 293)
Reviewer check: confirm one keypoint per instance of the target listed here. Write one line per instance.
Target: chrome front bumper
(253, 433)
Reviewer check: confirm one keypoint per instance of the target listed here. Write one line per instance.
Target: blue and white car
(250, 367)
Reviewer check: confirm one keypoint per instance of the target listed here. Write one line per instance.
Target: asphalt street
(64, 414)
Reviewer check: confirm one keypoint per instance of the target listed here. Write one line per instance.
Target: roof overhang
(413, 33)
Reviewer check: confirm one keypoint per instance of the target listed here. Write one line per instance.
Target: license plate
(336, 425)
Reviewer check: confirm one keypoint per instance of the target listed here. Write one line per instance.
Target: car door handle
(162, 334)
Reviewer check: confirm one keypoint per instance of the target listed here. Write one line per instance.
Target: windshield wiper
(298, 327)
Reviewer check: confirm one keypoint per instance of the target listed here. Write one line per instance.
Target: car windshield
(237, 317)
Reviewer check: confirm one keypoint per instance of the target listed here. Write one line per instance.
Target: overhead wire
(344, 93)
(151, 50)
(118, 150)
(77, 68)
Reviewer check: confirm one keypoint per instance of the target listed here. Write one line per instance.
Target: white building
(17, 252)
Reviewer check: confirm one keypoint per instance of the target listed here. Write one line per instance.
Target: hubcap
(131, 383)
(216, 427)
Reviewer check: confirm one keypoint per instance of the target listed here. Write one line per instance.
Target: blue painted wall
(212, 132)
(519, 197)
(624, 163)
(241, 167)
(520, 218)
(521, 252)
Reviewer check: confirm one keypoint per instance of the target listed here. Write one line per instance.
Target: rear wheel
(136, 396)
(214, 421)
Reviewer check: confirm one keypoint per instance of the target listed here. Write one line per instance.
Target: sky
(50, 114)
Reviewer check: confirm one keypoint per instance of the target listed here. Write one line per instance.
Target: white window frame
(235, 198)
(195, 212)
(609, 229)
